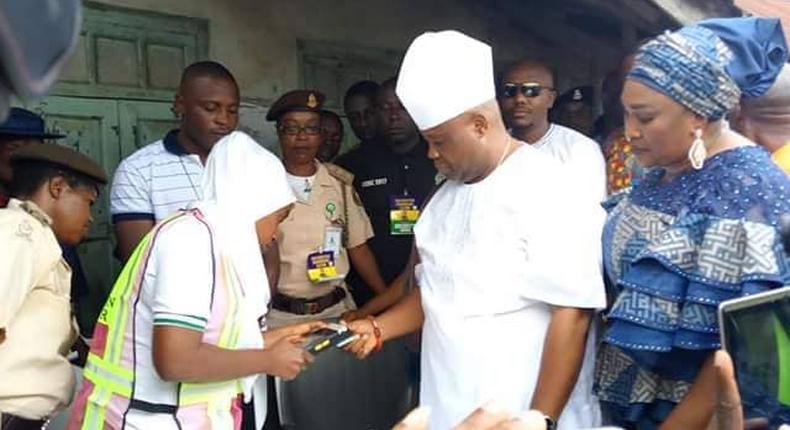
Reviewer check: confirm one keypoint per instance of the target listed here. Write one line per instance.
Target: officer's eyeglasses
(293, 130)
(527, 89)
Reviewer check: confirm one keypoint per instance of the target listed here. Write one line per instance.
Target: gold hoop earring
(697, 153)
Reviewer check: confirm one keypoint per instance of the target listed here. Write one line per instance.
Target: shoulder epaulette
(35, 213)
(340, 173)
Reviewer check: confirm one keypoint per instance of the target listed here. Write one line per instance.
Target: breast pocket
(48, 315)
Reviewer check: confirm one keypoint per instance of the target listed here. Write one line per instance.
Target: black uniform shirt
(380, 174)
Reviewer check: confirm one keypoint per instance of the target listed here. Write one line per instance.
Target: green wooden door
(143, 122)
(91, 127)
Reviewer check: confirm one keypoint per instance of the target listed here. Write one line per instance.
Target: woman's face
(71, 211)
(661, 130)
(266, 227)
(300, 136)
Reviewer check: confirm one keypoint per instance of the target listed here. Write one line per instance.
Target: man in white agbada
(507, 263)
(526, 94)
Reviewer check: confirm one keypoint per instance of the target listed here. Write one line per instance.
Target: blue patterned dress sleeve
(672, 252)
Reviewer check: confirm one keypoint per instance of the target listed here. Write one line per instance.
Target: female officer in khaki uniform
(327, 227)
(53, 188)
(326, 230)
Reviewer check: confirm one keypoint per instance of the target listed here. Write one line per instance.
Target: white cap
(443, 75)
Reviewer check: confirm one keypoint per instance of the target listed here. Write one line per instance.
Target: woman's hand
(287, 358)
(300, 330)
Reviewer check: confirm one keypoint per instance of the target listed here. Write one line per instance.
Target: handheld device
(337, 335)
(755, 331)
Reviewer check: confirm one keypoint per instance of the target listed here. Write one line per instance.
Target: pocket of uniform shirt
(49, 312)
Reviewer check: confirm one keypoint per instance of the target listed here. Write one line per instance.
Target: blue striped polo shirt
(155, 181)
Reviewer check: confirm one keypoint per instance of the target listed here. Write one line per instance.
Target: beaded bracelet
(377, 333)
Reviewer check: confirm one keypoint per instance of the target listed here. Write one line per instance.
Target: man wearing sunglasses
(526, 94)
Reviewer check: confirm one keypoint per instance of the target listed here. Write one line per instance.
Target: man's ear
(480, 124)
(178, 106)
(552, 98)
(56, 186)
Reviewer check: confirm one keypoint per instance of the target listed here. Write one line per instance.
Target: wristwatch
(550, 423)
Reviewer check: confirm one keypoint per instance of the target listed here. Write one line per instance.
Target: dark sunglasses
(527, 89)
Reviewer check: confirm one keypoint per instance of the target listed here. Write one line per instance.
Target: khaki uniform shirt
(36, 379)
(302, 233)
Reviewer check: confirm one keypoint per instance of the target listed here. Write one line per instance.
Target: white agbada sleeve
(563, 238)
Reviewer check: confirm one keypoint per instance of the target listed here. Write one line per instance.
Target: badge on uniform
(333, 238)
(321, 266)
(25, 230)
(404, 213)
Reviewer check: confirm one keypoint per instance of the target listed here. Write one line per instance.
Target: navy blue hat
(759, 51)
(24, 123)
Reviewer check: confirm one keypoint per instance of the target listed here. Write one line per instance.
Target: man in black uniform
(359, 105)
(392, 182)
(574, 109)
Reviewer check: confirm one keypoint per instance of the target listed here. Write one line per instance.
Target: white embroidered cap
(443, 75)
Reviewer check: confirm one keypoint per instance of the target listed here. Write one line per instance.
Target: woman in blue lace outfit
(700, 228)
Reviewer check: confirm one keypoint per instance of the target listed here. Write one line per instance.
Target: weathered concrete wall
(258, 38)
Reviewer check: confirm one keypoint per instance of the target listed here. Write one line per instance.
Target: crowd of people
(478, 249)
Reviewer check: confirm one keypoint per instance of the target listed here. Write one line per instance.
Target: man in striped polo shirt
(164, 176)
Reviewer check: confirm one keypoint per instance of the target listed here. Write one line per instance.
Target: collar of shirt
(321, 182)
(171, 143)
(32, 209)
(419, 150)
(545, 138)
(302, 186)
(323, 179)
(383, 155)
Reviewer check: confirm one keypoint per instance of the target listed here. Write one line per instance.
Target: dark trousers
(13, 422)
(272, 414)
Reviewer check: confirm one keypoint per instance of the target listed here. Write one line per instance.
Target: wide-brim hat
(24, 123)
(64, 156)
(297, 100)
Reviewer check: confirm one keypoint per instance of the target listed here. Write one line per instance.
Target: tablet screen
(758, 339)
